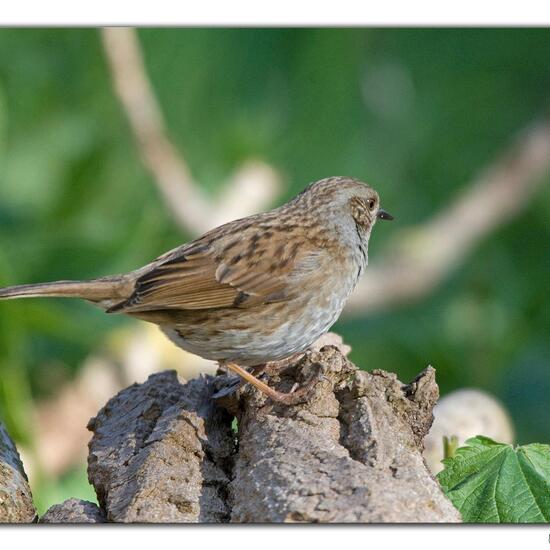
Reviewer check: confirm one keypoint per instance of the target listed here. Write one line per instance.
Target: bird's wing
(239, 269)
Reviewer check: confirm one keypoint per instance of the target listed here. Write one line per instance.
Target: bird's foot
(295, 396)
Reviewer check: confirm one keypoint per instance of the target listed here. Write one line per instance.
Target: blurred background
(248, 117)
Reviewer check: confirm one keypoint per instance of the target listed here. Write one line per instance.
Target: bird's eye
(372, 202)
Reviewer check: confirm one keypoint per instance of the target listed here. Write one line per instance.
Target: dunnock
(252, 291)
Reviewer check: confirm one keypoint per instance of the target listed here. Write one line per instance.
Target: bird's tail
(105, 292)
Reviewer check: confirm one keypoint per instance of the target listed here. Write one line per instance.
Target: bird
(253, 291)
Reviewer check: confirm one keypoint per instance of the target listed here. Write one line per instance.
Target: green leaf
(491, 482)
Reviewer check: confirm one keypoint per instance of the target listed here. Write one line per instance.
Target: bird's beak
(383, 215)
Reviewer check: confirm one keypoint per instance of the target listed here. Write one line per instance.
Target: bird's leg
(279, 397)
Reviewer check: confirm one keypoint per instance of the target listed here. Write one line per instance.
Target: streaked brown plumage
(254, 290)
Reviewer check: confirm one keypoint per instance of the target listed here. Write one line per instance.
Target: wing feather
(223, 273)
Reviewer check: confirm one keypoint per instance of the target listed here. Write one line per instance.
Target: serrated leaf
(490, 482)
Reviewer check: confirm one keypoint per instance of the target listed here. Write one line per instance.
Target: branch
(251, 189)
(420, 258)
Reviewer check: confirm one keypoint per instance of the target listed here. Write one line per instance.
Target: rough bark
(164, 451)
(352, 453)
(161, 452)
(74, 510)
(15, 494)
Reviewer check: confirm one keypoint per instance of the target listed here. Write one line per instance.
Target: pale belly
(267, 333)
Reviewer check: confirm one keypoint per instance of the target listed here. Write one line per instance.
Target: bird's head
(345, 197)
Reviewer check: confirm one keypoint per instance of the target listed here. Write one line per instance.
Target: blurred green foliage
(72, 484)
(415, 112)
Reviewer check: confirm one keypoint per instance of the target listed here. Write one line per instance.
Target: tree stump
(167, 452)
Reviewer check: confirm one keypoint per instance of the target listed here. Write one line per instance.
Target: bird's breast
(273, 331)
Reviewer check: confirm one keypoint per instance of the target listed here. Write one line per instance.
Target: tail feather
(105, 291)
